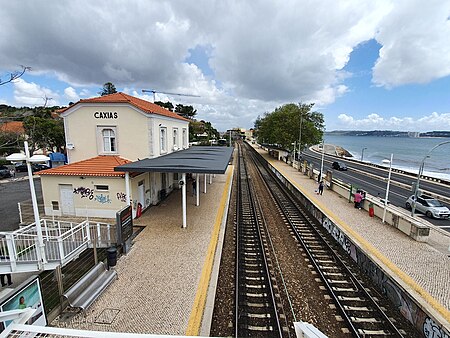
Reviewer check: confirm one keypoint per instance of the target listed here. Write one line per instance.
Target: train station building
(115, 130)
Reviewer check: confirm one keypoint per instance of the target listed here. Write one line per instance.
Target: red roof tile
(96, 166)
(12, 127)
(120, 97)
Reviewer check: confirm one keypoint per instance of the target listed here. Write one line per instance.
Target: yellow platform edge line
(195, 319)
(371, 249)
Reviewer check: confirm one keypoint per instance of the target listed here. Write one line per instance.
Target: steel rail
(283, 197)
(255, 302)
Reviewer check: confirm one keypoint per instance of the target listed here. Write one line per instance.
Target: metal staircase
(62, 242)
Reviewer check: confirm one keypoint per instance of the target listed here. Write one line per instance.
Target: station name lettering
(105, 115)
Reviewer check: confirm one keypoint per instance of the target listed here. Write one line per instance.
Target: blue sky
(366, 65)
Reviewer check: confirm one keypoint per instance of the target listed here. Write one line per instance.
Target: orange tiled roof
(12, 127)
(96, 166)
(143, 105)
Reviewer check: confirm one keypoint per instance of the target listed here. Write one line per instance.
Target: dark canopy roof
(207, 160)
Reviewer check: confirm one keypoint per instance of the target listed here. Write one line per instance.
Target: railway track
(360, 311)
(258, 310)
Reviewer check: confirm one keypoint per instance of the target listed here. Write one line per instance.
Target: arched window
(109, 140)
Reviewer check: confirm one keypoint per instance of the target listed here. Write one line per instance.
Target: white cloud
(71, 94)
(32, 94)
(416, 43)
(262, 54)
(434, 121)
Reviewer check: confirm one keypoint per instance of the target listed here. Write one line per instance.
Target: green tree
(9, 142)
(108, 88)
(282, 126)
(186, 111)
(168, 105)
(44, 133)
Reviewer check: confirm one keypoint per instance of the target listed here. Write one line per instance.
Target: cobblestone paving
(426, 263)
(157, 280)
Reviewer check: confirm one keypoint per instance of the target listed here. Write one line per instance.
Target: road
(11, 193)
(375, 183)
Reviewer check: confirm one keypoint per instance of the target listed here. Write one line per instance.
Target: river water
(408, 152)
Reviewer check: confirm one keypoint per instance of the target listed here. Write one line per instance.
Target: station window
(175, 138)
(163, 139)
(184, 137)
(107, 139)
(55, 205)
(101, 187)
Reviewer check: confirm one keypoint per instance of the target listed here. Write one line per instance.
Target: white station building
(101, 134)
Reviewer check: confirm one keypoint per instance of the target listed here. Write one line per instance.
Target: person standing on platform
(357, 199)
(8, 277)
(320, 190)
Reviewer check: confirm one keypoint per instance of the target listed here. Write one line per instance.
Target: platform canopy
(197, 159)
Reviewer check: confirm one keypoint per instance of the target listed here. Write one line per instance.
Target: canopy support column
(127, 187)
(204, 190)
(210, 178)
(197, 190)
(183, 194)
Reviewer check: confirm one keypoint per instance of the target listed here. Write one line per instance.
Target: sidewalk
(162, 282)
(423, 268)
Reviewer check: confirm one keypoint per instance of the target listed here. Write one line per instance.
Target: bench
(84, 292)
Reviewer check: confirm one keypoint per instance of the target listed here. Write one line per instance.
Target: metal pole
(416, 189)
(362, 154)
(321, 162)
(387, 188)
(37, 219)
(183, 194)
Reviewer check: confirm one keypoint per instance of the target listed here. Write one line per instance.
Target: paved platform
(162, 283)
(423, 268)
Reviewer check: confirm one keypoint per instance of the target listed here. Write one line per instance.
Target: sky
(374, 64)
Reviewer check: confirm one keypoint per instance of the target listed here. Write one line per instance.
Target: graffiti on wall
(122, 197)
(89, 194)
(401, 300)
(340, 237)
(84, 192)
(103, 199)
(432, 330)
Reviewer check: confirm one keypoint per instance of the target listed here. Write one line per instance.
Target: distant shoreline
(390, 133)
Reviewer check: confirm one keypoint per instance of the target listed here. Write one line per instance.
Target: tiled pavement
(158, 280)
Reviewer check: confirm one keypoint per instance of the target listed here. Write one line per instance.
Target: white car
(429, 206)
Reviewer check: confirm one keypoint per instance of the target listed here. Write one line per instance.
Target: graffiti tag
(103, 199)
(84, 192)
(122, 197)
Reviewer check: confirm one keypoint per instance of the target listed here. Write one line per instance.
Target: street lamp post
(17, 157)
(362, 153)
(416, 188)
(321, 162)
(387, 188)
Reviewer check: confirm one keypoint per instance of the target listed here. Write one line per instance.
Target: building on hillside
(105, 132)
(15, 127)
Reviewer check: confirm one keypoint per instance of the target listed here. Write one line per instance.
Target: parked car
(339, 166)
(429, 206)
(4, 172)
(22, 167)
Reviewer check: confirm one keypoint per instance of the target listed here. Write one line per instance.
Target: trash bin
(111, 256)
(371, 210)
